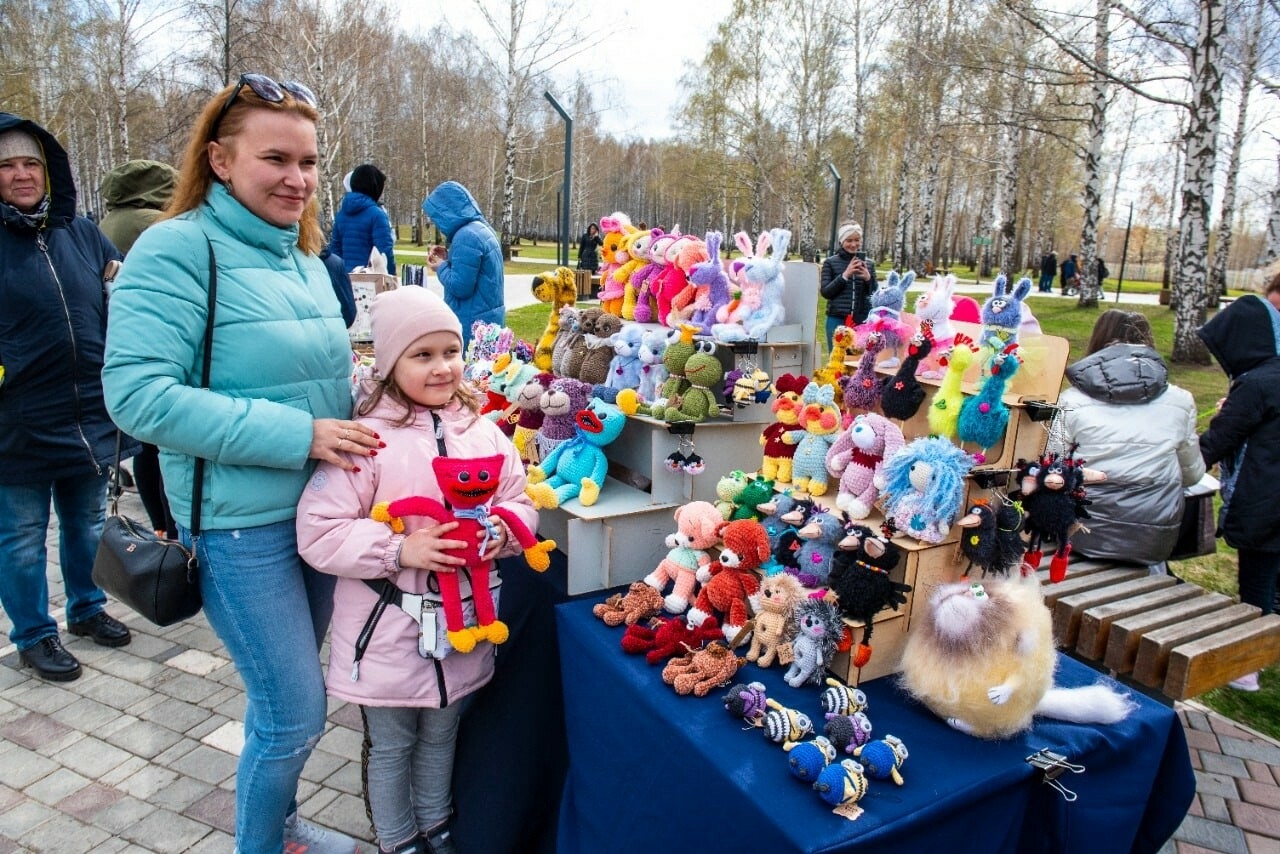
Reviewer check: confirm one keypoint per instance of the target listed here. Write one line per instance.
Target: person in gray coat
(1131, 423)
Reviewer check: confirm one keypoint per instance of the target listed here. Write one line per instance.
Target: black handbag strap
(197, 490)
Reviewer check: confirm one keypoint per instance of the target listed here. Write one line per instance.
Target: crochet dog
(728, 583)
(639, 603)
(773, 605)
(700, 671)
(468, 485)
(924, 486)
(697, 529)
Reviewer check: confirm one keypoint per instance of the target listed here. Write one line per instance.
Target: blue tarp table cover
(648, 768)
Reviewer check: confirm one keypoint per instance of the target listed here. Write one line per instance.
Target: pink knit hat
(402, 316)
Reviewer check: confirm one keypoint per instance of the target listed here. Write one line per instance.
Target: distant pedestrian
(470, 270)
(361, 225)
(589, 249)
(1071, 276)
(1048, 271)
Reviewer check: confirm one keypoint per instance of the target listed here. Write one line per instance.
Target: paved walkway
(139, 754)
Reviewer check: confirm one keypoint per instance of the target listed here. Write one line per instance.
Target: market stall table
(649, 768)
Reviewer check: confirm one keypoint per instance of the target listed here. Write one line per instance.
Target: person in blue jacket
(471, 271)
(279, 399)
(56, 440)
(361, 224)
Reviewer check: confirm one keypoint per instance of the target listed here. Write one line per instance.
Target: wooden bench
(1177, 638)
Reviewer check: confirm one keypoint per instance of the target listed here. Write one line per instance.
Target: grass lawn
(1207, 384)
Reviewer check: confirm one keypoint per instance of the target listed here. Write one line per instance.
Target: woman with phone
(848, 280)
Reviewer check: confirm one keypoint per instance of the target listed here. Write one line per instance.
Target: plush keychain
(882, 759)
(818, 630)
(861, 584)
(747, 702)
(728, 583)
(992, 540)
(1002, 313)
(902, 394)
(861, 391)
(808, 758)
(640, 602)
(786, 407)
(847, 732)
(984, 417)
(664, 637)
(924, 486)
(842, 785)
(697, 529)
(944, 411)
(820, 420)
(577, 468)
(858, 459)
(778, 595)
(701, 671)
(468, 485)
(1054, 499)
(785, 726)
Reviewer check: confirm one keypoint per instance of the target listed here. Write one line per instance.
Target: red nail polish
(381, 444)
(372, 453)
(356, 469)
(376, 436)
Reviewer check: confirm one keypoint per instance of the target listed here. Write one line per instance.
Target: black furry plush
(995, 544)
(902, 393)
(860, 580)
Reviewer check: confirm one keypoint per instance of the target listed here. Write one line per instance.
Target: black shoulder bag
(157, 577)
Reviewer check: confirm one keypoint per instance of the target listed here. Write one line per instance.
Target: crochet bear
(728, 584)
(639, 603)
(697, 529)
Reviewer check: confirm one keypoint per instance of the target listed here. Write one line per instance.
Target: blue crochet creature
(984, 417)
(577, 468)
(819, 539)
(624, 368)
(924, 488)
(808, 758)
(1002, 313)
(882, 759)
(841, 784)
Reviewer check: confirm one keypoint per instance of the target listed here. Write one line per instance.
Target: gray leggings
(411, 769)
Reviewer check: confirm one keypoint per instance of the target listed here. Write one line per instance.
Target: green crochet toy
(703, 371)
(576, 468)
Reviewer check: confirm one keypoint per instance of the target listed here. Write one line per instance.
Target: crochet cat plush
(697, 529)
(468, 485)
(728, 583)
(577, 468)
(711, 285)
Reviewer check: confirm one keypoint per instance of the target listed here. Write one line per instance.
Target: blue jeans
(81, 504)
(833, 323)
(1046, 282)
(271, 611)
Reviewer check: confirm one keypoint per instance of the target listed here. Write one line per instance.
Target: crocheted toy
(468, 486)
(935, 307)
(787, 543)
(885, 316)
(847, 732)
(586, 323)
(728, 583)
(861, 391)
(1054, 500)
(699, 672)
(680, 348)
(624, 368)
(944, 411)
(653, 343)
(640, 602)
(760, 307)
(613, 229)
(808, 758)
(629, 259)
(697, 529)
(784, 512)
(772, 605)
(577, 468)
(748, 386)
(840, 699)
(818, 630)
(843, 345)
(674, 288)
(568, 335)
(728, 488)
(785, 726)
(643, 279)
(862, 587)
(711, 285)
(992, 540)
(488, 341)
(786, 408)
(924, 485)
(981, 657)
(882, 759)
(902, 394)
(984, 417)
(702, 370)
(1002, 313)
(747, 702)
(597, 347)
(668, 636)
(821, 421)
(858, 458)
(560, 404)
(756, 492)
(735, 311)
(842, 784)
(558, 289)
(819, 539)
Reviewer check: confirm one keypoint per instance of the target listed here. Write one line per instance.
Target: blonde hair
(386, 387)
(196, 175)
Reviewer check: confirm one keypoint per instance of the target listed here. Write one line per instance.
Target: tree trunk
(1273, 223)
(1090, 287)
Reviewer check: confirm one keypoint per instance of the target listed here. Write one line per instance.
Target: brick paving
(139, 754)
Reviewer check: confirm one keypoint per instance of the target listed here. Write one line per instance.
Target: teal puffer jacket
(281, 358)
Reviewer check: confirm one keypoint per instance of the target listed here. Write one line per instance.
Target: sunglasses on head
(266, 89)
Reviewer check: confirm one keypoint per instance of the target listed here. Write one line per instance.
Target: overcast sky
(639, 56)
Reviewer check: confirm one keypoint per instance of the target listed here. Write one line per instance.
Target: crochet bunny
(885, 317)
(697, 529)
(653, 275)
(763, 277)
(1002, 313)
(858, 458)
(712, 286)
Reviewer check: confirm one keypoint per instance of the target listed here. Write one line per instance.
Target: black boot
(440, 841)
(413, 846)
(50, 661)
(103, 629)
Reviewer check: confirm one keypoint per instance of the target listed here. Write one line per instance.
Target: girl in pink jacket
(385, 652)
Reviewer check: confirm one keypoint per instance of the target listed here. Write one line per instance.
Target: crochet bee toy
(992, 540)
(842, 784)
(848, 732)
(785, 726)
(818, 630)
(468, 485)
(668, 636)
(840, 699)
(861, 584)
(747, 702)
(882, 759)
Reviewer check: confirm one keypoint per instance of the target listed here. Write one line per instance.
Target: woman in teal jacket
(278, 400)
(471, 273)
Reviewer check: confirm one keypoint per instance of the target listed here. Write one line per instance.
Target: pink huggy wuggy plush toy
(468, 485)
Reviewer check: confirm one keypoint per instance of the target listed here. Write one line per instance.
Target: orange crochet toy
(728, 583)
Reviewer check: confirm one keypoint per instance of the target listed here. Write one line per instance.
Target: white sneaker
(1248, 682)
(303, 837)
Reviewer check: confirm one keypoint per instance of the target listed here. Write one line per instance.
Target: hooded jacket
(336, 535)
(1241, 339)
(136, 193)
(53, 317)
(846, 297)
(281, 359)
(1141, 431)
(359, 226)
(472, 276)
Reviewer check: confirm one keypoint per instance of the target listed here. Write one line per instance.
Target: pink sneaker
(1248, 682)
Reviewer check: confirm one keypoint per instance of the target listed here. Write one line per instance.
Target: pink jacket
(336, 536)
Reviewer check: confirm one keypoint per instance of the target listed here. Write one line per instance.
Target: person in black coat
(1070, 276)
(847, 281)
(589, 249)
(1048, 271)
(1244, 439)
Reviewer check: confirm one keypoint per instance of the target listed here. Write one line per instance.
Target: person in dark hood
(1133, 424)
(1244, 440)
(471, 271)
(361, 224)
(57, 441)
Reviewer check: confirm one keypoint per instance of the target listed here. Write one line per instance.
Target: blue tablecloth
(650, 768)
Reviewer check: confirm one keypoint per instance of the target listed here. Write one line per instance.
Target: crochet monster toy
(697, 529)
(468, 485)
(861, 584)
(728, 583)
(858, 458)
(924, 486)
(668, 636)
(576, 468)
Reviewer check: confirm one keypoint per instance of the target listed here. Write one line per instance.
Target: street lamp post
(835, 207)
(563, 249)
